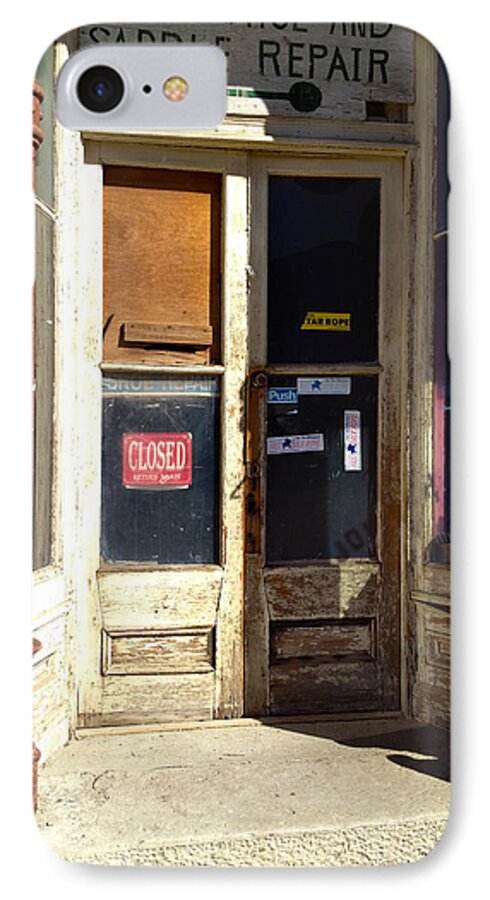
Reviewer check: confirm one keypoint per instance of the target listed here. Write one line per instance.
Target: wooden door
(165, 582)
(324, 533)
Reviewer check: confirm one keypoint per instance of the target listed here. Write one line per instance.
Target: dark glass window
(323, 269)
(321, 501)
(160, 470)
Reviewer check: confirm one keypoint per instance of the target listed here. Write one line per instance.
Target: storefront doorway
(251, 419)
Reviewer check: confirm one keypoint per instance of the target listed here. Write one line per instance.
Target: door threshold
(244, 722)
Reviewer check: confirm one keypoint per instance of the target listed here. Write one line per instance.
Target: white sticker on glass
(352, 440)
(324, 386)
(295, 443)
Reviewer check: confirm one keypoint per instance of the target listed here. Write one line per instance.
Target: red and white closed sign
(157, 460)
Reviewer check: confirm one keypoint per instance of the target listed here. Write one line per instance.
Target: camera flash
(175, 88)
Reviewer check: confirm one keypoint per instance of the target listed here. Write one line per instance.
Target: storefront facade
(249, 491)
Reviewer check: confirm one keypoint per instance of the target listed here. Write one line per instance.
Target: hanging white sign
(352, 440)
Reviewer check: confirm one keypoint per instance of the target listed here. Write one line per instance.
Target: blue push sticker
(282, 395)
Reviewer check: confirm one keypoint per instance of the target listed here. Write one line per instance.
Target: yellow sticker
(326, 321)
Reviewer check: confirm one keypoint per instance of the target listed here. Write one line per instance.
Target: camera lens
(100, 89)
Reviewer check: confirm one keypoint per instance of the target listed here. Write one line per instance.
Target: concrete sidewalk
(254, 794)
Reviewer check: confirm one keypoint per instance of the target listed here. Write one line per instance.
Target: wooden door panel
(135, 699)
(320, 640)
(162, 652)
(329, 591)
(306, 687)
(159, 599)
(157, 645)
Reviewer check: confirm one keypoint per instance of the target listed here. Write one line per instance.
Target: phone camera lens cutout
(100, 89)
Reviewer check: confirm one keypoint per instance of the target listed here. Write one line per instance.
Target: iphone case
(241, 504)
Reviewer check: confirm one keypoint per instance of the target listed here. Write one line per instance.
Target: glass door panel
(321, 468)
(323, 269)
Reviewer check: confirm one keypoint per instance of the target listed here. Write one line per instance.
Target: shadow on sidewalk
(425, 741)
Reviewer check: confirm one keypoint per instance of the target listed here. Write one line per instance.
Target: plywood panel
(154, 653)
(161, 260)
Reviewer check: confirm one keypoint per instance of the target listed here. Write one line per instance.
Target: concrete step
(263, 794)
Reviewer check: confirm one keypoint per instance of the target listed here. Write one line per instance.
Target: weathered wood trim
(391, 460)
(229, 626)
(52, 592)
(144, 369)
(186, 158)
(405, 426)
(360, 165)
(428, 597)
(326, 369)
(422, 312)
(80, 281)
(245, 722)
(256, 640)
(256, 608)
(277, 134)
